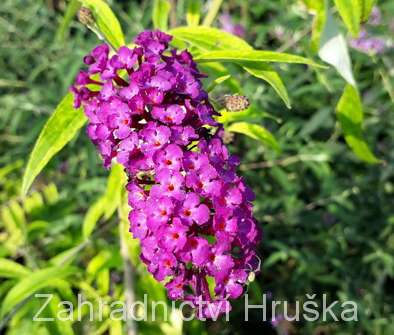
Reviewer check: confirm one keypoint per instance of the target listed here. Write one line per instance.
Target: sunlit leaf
(107, 203)
(160, 11)
(11, 269)
(267, 73)
(217, 81)
(256, 132)
(367, 6)
(214, 6)
(210, 38)
(60, 129)
(318, 9)
(350, 12)
(235, 56)
(193, 12)
(106, 21)
(31, 284)
(350, 116)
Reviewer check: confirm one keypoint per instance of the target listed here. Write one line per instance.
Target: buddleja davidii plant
(330, 44)
(183, 134)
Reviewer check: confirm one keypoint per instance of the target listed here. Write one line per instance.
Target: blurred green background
(328, 218)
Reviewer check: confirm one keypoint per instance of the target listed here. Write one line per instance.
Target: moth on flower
(236, 103)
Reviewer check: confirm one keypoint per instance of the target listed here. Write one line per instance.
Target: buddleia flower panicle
(191, 211)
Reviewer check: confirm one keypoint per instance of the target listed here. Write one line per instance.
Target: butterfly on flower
(236, 103)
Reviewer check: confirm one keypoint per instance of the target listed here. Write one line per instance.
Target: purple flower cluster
(367, 44)
(228, 25)
(191, 211)
(364, 42)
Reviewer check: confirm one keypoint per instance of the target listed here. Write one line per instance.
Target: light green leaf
(107, 203)
(106, 22)
(113, 193)
(214, 6)
(206, 38)
(93, 215)
(367, 6)
(265, 72)
(256, 132)
(318, 8)
(60, 128)
(350, 12)
(350, 116)
(160, 11)
(334, 50)
(217, 81)
(236, 56)
(193, 12)
(11, 269)
(72, 9)
(31, 284)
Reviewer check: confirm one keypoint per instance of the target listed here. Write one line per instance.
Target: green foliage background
(328, 217)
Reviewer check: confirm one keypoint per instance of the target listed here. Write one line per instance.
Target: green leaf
(213, 10)
(367, 6)
(256, 132)
(265, 72)
(113, 194)
(350, 12)
(218, 81)
(236, 56)
(60, 128)
(11, 269)
(72, 9)
(107, 203)
(93, 215)
(106, 22)
(193, 12)
(206, 38)
(318, 8)
(160, 11)
(334, 50)
(350, 116)
(31, 284)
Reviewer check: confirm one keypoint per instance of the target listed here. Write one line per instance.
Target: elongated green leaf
(350, 116)
(31, 284)
(11, 269)
(160, 11)
(217, 81)
(206, 38)
(210, 39)
(213, 10)
(113, 193)
(256, 132)
(106, 21)
(236, 56)
(334, 50)
(318, 9)
(267, 73)
(93, 215)
(72, 8)
(367, 6)
(193, 12)
(60, 128)
(107, 203)
(350, 12)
